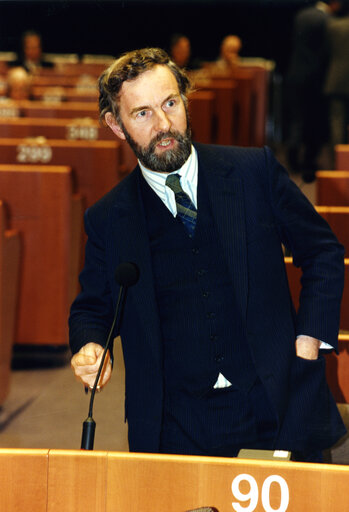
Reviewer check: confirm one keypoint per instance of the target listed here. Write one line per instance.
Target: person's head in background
(32, 47)
(230, 49)
(180, 50)
(18, 84)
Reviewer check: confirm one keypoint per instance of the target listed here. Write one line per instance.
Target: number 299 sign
(247, 494)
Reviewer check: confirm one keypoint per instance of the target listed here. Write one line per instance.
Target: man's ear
(114, 125)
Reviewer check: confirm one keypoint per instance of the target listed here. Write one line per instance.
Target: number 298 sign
(252, 495)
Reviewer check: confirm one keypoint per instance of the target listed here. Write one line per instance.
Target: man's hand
(85, 364)
(307, 347)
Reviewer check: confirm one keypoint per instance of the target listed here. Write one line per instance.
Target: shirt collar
(189, 179)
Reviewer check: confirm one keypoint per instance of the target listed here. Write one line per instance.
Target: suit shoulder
(111, 198)
(240, 157)
(229, 151)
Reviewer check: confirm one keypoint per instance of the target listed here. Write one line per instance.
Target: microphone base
(88, 434)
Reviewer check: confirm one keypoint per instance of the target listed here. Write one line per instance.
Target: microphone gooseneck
(126, 275)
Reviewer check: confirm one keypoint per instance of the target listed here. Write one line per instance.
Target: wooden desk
(201, 110)
(332, 188)
(44, 210)
(338, 219)
(71, 109)
(96, 164)
(57, 93)
(341, 155)
(75, 481)
(223, 108)
(66, 129)
(248, 104)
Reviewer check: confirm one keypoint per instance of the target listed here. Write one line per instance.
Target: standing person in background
(306, 108)
(337, 79)
(216, 357)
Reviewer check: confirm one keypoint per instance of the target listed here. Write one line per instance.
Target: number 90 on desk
(274, 494)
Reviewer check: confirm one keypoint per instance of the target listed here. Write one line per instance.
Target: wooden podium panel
(23, 480)
(77, 481)
(161, 483)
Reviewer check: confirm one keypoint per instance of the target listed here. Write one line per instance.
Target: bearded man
(216, 357)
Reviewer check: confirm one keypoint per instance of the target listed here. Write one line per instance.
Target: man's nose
(163, 124)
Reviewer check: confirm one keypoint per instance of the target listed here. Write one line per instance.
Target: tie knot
(173, 182)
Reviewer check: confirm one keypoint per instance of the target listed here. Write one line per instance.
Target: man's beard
(167, 161)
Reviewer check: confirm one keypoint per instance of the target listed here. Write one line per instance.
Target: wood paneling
(44, 210)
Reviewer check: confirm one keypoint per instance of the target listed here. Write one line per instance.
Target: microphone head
(127, 274)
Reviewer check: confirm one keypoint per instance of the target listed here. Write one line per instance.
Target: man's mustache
(164, 135)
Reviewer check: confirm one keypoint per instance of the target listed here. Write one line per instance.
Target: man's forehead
(157, 77)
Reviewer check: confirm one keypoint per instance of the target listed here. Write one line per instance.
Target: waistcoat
(202, 332)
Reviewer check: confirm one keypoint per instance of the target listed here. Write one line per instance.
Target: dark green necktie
(185, 208)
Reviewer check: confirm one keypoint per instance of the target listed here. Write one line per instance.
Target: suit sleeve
(315, 249)
(92, 311)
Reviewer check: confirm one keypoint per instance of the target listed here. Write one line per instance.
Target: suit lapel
(130, 243)
(226, 195)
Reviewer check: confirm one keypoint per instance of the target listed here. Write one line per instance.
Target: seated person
(31, 53)
(180, 52)
(18, 84)
(228, 58)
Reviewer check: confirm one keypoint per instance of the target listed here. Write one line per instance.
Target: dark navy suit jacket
(256, 208)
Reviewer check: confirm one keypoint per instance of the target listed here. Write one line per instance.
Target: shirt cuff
(323, 344)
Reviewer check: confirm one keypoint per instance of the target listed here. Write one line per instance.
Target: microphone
(126, 275)
(204, 509)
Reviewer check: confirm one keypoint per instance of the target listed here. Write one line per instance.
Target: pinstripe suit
(256, 208)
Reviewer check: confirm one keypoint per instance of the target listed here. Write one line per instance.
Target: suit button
(195, 250)
(211, 315)
(219, 359)
(213, 337)
(205, 295)
(201, 272)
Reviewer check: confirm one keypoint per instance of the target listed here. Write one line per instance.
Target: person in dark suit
(216, 357)
(181, 53)
(305, 104)
(337, 78)
(30, 57)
